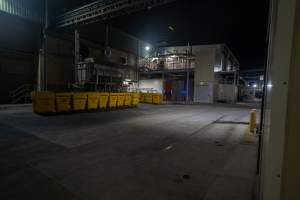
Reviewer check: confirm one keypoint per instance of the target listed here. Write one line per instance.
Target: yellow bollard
(252, 120)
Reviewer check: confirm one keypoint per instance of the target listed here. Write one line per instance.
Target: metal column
(76, 53)
(137, 64)
(40, 74)
(187, 77)
(42, 65)
(46, 44)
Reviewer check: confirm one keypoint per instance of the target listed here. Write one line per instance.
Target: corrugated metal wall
(23, 8)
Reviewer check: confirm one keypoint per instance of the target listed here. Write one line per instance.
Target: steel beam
(102, 10)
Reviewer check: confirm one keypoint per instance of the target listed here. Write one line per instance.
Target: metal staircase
(21, 95)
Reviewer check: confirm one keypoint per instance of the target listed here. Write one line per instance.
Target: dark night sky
(242, 25)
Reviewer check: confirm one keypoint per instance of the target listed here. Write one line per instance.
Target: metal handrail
(20, 93)
(19, 90)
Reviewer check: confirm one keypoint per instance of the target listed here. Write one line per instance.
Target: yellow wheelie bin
(142, 97)
(113, 99)
(157, 98)
(43, 102)
(79, 101)
(128, 99)
(135, 98)
(103, 100)
(63, 102)
(121, 100)
(93, 100)
(149, 98)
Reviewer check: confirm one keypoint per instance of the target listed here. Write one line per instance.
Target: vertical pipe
(76, 53)
(40, 71)
(106, 35)
(46, 47)
(187, 76)
(235, 81)
(163, 84)
(138, 60)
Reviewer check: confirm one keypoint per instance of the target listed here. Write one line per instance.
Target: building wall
(18, 34)
(204, 78)
(15, 71)
(225, 93)
(60, 69)
(18, 43)
(209, 59)
(274, 181)
(291, 164)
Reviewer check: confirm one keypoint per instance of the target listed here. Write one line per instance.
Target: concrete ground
(168, 152)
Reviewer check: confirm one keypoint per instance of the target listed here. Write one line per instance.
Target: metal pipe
(43, 59)
(40, 71)
(106, 36)
(187, 76)
(76, 53)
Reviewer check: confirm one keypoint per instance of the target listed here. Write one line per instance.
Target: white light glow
(147, 48)
(270, 85)
(255, 85)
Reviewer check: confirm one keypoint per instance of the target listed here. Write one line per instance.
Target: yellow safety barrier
(128, 99)
(149, 98)
(79, 101)
(253, 120)
(135, 98)
(103, 100)
(63, 102)
(157, 98)
(93, 100)
(43, 102)
(121, 100)
(113, 99)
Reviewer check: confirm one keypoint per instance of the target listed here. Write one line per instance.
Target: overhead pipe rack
(103, 10)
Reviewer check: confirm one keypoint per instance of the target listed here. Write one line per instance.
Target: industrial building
(198, 73)
(95, 103)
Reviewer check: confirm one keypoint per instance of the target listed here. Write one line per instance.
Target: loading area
(150, 152)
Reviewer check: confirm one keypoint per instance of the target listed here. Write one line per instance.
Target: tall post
(76, 53)
(137, 64)
(42, 65)
(187, 74)
(106, 36)
(40, 72)
(46, 44)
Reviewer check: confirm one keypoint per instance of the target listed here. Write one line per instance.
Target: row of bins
(151, 98)
(50, 102)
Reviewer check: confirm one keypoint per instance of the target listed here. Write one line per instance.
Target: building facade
(198, 73)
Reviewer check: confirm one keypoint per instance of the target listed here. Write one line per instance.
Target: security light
(147, 48)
